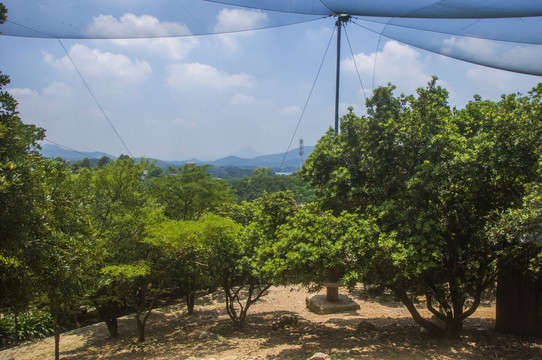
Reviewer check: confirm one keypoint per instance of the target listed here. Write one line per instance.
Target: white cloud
(469, 46)
(22, 92)
(66, 114)
(503, 55)
(492, 83)
(231, 23)
(398, 64)
(490, 77)
(318, 35)
(53, 95)
(102, 64)
(132, 26)
(58, 89)
(291, 110)
(242, 99)
(184, 123)
(144, 33)
(173, 48)
(196, 75)
(229, 20)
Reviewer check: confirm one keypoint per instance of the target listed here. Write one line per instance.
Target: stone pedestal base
(320, 305)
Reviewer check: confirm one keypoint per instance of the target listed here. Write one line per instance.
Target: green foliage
(189, 191)
(224, 256)
(309, 246)
(520, 230)
(153, 171)
(229, 172)
(252, 250)
(30, 325)
(263, 182)
(42, 236)
(104, 160)
(122, 212)
(428, 181)
(182, 243)
(20, 185)
(237, 249)
(3, 13)
(220, 246)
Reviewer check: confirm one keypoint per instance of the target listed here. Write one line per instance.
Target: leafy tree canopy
(428, 181)
(189, 191)
(263, 182)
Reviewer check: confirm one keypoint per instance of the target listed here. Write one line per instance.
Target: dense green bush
(33, 324)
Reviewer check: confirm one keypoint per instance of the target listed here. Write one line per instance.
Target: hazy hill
(291, 162)
(54, 151)
(273, 161)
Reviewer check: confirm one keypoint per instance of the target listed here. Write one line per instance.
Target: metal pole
(337, 77)
(340, 20)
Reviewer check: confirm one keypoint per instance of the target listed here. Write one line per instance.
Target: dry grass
(172, 334)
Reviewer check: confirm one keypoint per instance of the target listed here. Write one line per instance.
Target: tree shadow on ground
(392, 339)
(401, 339)
(172, 334)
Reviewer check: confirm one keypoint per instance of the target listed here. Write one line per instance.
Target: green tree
(20, 189)
(130, 267)
(154, 171)
(521, 230)
(189, 191)
(241, 271)
(104, 160)
(224, 256)
(185, 256)
(65, 246)
(41, 234)
(428, 181)
(263, 182)
(310, 246)
(236, 245)
(82, 164)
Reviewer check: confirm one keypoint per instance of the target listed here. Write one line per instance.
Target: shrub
(33, 324)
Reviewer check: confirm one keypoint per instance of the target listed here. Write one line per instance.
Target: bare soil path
(172, 334)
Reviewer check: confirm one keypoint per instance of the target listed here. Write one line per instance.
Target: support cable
(95, 99)
(69, 148)
(75, 37)
(380, 34)
(308, 98)
(374, 62)
(355, 64)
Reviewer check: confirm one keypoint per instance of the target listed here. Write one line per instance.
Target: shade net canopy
(503, 34)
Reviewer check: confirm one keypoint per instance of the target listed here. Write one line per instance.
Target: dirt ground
(172, 334)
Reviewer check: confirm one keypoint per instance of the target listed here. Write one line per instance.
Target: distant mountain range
(54, 151)
(273, 161)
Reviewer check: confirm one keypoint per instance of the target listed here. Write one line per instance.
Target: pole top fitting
(343, 18)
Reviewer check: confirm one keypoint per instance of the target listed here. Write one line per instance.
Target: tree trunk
(190, 299)
(424, 323)
(17, 328)
(112, 326)
(108, 314)
(56, 329)
(140, 329)
(232, 297)
(454, 327)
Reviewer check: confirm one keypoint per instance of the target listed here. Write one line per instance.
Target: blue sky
(210, 96)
